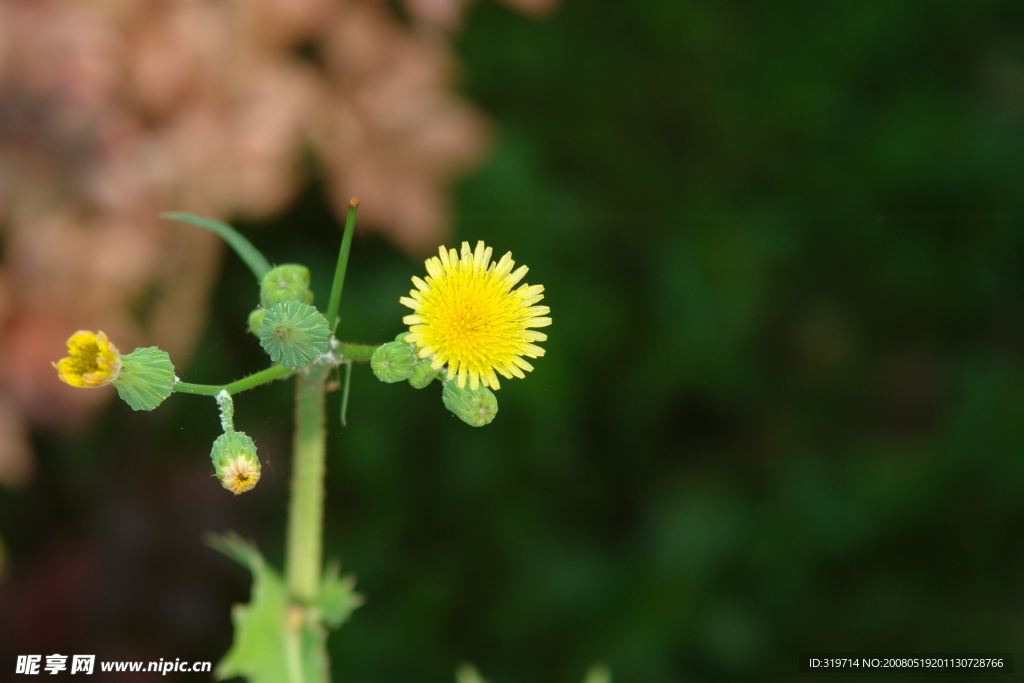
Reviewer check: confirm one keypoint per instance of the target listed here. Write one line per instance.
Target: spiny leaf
(275, 640)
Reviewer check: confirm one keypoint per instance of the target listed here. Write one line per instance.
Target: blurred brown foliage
(114, 111)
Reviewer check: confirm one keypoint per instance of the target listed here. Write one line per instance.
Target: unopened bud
(235, 462)
(393, 362)
(422, 374)
(289, 282)
(476, 407)
(256, 320)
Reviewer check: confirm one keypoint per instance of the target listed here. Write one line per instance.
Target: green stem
(306, 508)
(357, 353)
(344, 393)
(339, 271)
(253, 380)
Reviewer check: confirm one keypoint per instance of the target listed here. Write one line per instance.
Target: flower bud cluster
(396, 361)
(289, 282)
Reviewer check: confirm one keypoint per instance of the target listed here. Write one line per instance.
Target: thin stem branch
(339, 271)
(253, 380)
(344, 393)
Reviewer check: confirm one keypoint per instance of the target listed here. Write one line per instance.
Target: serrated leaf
(275, 641)
(294, 333)
(337, 599)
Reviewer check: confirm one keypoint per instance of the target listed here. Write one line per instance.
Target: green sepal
(422, 374)
(393, 362)
(294, 333)
(289, 282)
(231, 446)
(275, 640)
(474, 407)
(146, 378)
(337, 598)
(256, 320)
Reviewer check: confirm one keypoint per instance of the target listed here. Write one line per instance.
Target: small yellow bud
(93, 361)
(235, 462)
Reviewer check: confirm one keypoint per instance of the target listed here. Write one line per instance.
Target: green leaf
(599, 673)
(257, 263)
(467, 673)
(337, 599)
(276, 641)
(294, 333)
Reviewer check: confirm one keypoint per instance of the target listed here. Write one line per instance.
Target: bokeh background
(781, 407)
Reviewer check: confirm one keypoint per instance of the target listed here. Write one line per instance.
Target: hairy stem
(253, 380)
(306, 508)
(355, 353)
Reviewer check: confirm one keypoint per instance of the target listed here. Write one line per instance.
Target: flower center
(85, 358)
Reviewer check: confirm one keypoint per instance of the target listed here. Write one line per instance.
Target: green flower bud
(289, 282)
(393, 362)
(294, 333)
(235, 462)
(256, 320)
(474, 407)
(422, 374)
(146, 378)
(400, 337)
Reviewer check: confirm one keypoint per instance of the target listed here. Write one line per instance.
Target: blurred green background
(781, 406)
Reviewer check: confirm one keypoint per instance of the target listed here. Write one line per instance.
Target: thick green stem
(306, 508)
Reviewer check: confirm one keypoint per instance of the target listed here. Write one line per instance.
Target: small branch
(344, 393)
(253, 380)
(339, 271)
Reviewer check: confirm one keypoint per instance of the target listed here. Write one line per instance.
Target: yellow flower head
(468, 316)
(240, 474)
(94, 361)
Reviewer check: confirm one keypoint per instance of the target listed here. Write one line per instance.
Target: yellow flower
(468, 317)
(94, 361)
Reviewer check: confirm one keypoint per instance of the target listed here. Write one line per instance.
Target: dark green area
(782, 407)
